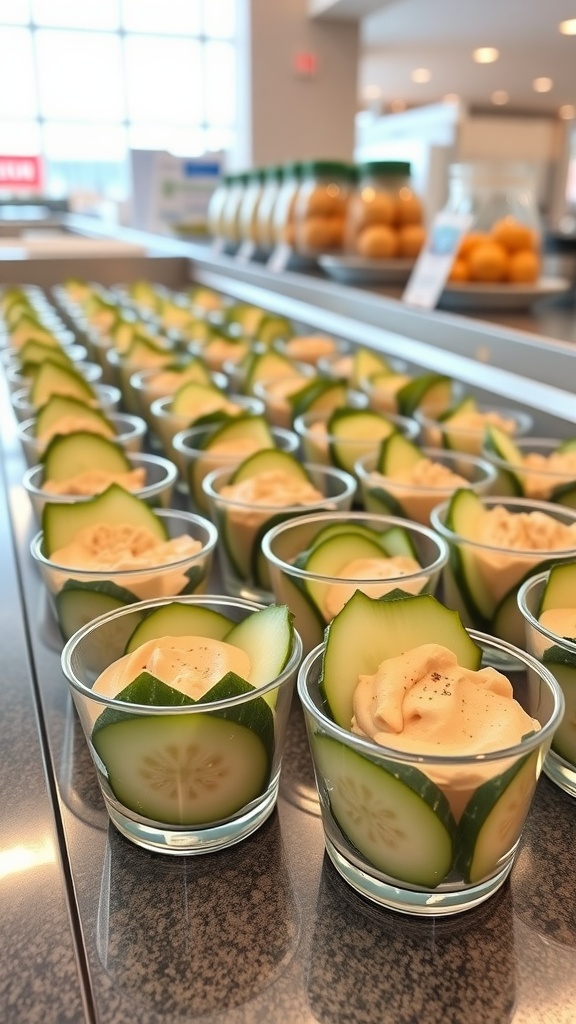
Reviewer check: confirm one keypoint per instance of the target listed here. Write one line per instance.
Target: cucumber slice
(68, 455)
(266, 461)
(60, 407)
(267, 637)
(335, 529)
(183, 769)
(493, 819)
(429, 392)
(463, 516)
(467, 405)
(194, 399)
(394, 816)
(143, 351)
(565, 495)
(265, 366)
(78, 603)
(397, 541)
(560, 588)
(397, 455)
(52, 378)
(319, 395)
(568, 446)
(331, 556)
(508, 621)
(113, 506)
(564, 670)
(34, 352)
(365, 363)
(354, 432)
(254, 428)
(377, 499)
(510, 479)
(366, 632)
(273, 327)
(177, 619)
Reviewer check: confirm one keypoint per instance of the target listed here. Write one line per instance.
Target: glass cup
(166, 424)
(157, 490)
(373, 794)
(242, 525)
(130, 432)
(150, 383)
(326, 449)
(107, 399)
(249, 751)
(198, 461)
(481, 580)
(79, 595)
(468, 435)
(313, 598)
(541, 484)
(393, 496)
(558, 654)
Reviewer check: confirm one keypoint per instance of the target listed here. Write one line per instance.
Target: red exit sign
(20, 172)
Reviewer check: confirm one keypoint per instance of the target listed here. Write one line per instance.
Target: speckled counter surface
(265, 931)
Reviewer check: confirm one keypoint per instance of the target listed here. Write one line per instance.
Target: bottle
(216, 206)
(229, 215)
(321, 205)
(248, 210)
(385, 217)
(273, 177)
(503, 243)
(282, 226)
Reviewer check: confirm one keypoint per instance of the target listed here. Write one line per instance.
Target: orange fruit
(459, 271)
(488, 261)
(378, 242)
(411, 238)
(513, 235)
(523, 266)
(408, 207)
(470, 241)
(372, 207)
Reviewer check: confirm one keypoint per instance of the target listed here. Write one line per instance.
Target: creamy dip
(545, 472)
(93, 481)
(514, 543)
(310, 348)
(423, 702)
(275, 393)
(123, 548)
(419, 487)
(561, 621)
(190, 664)
(383, 389)
(359, 569)
(71, 424)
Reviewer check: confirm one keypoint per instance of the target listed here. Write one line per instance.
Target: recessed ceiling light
(567, 111)
(421, 75)
(542, 84)
(500, 97)
(568, 27)
(485, 54)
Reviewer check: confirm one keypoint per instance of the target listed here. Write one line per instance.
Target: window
(83, 83)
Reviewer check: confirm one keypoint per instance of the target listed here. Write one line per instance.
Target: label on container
(432, 268)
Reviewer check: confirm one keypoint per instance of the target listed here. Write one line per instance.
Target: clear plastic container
(216, 206)
(503, 242)
(385, 217)
(282, 225)
(229, 216)
(273, 178)
(248, 211)
(321, 207)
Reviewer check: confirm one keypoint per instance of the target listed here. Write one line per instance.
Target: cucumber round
(68, 455)
(397, 455)
(176, 619)
(183, 769)
(113, 506)
(354, 433)
(78, 603)
(254, 428)
(560, 588)
(564, 740)
(59, 406)
(493, 819)
(394, 816)
(463, 515)
(266, 461)
(368, 631)
(267, 637)
(365, 363)
(194, 399)
(331, 556)
(430, 392)
(319, 395)
(53, 378)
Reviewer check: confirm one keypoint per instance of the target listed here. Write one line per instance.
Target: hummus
(190, 664)
(420, 487)
(275, 393)
(359, 569)
(466, 429)
(423, 702)
(71, 424)
(515, 542)
(126, 549)
(93, 481)
(561, 621)
(382, 390)
(310, 348)
(542, 473)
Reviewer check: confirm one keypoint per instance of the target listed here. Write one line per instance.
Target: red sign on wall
(20, 172)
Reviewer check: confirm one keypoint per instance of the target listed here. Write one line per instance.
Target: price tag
(432, 268)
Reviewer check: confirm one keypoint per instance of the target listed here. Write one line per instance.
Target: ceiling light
(567, 112)
(542, 84)
(568, 28)
(485, 54)
(421, 75)
(500, 97)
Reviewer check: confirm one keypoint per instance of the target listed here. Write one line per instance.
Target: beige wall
(285, 116)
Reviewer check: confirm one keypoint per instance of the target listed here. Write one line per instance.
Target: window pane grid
(98, 79)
